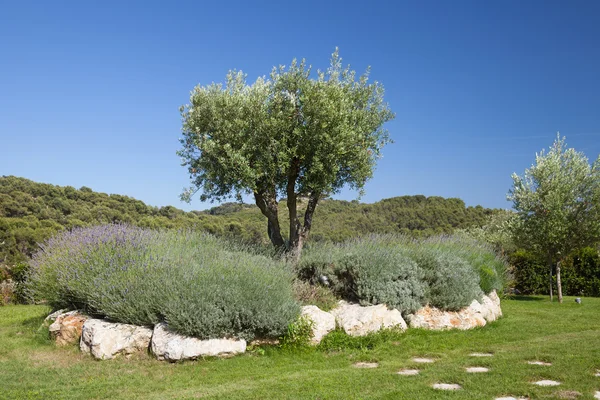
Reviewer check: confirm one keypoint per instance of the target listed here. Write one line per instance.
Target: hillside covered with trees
(30, 212)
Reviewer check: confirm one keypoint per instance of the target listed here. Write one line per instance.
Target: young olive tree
(558, 205)
(286, 136)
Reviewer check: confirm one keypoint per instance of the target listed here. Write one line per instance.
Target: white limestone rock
(67, 326)
(446, 386)
(357, 320)
(481, 355)
(423, 360)
(475, 315)
(323, 322)
(170, 346)
(366, 365)
(491, 303)
(52, 317)
(511, 398)
(408, 372)
(547, 382)
(435, 319)
(104, 340)
(476, 370)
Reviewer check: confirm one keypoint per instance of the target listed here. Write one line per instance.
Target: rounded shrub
(491, 268)
(375, 273)
(451, 281)
(200, 285)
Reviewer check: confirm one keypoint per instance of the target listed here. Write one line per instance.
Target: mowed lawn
(566, 335)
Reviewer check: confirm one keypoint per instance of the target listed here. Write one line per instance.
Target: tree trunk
(301, 232)
(267, 203)
(550, 269)
(558, 283)
(296, 232)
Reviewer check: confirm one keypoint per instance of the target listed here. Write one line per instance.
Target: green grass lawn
(567, 335)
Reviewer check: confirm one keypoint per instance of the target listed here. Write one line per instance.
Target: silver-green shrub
(198, 284)
(492, 268)
(371, 271)
(446, 272)
(451, 281)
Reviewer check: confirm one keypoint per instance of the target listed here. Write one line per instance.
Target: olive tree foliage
(557, 203)
(496, 231)
(287, 135)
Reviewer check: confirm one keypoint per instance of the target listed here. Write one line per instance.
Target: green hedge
(580, 273)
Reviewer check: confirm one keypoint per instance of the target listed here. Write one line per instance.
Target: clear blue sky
(89, 91)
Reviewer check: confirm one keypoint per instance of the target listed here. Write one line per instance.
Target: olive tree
(289, 135)
(557, 203)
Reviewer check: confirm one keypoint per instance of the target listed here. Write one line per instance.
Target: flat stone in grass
(366, 365)
(543, 363)
(546, 382)
(446, 386)
(511, 398)
(474, 370)
(423, 360)
(597, 395)
(481, 355)
(597, 374)
(408, 372)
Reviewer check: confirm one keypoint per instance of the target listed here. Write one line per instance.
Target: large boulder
(491, 303)
(323, 322)
(475, 315)
(170, 346)
(67, 326)
(357, 320)
(104, 340)
(435, 319)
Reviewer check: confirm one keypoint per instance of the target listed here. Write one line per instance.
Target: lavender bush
(491, 268)
(198, 284)
(451, 282)
(447, 272)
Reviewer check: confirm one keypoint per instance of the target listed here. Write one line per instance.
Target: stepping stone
(446, 386)
(474, 370)
(597, 374)
(546, 364)
(366, 365)
(408, 372)
(597, 396)
(511, 398)
(422, 360)
(546, 382)
(481, 355)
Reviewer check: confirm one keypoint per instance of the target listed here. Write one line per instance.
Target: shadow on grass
(33, 322)
(524, 298)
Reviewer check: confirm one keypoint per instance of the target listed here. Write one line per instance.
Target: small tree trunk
(550, 269)
(267, 203)
(558, 283)
(298, 232)
(296, 239)
(274, 232)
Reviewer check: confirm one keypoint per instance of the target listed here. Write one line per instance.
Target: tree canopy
(558, 204)
(286, 136)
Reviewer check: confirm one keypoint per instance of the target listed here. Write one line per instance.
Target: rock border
(105, 340)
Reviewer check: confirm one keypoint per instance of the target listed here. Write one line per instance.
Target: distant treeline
(30, 212)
